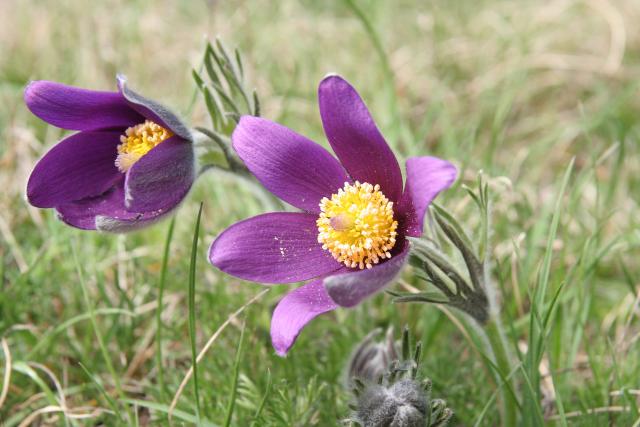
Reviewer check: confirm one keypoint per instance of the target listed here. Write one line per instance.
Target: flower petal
(106, 212)
(69, 107)
(153, 110)
(348, 289)
(79, 166)
(295, 310)
(355, 138)
(280, 247)
(292, 167)
(162, 177)
(426, 178)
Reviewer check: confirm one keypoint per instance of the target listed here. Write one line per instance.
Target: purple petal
(162, 177)
(73, 108)
(153, 110)
(355, 138)
(348, 289)
(426, 178)
(292, 167)
(280, 247)
(106, 212)
(79, 166)
(295, 310)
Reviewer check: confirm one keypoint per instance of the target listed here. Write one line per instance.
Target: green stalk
(498, 345)
(192, 313)
(493, 329)
(163, 279)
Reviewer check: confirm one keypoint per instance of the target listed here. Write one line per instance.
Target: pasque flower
(131, 162)
(350, 238)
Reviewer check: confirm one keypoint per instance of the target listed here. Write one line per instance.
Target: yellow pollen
(356, 225)
(137, 141)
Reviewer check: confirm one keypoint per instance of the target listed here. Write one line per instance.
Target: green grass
(515, 89)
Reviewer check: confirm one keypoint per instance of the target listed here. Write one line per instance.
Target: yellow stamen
(137, 141)
(356, 225)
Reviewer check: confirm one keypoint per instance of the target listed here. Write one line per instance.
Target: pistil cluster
(356, 225)
(137, 141)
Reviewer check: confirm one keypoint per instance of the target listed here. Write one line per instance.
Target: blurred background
(515, 89)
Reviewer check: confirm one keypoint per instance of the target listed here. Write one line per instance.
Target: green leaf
(434, 297)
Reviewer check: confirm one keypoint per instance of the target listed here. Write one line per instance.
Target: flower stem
(496, 339)
(234, 163)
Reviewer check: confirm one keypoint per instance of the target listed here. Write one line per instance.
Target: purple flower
(350, 238)
(131, 162)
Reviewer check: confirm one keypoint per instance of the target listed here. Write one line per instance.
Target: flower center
(137, 141)
(356, 225)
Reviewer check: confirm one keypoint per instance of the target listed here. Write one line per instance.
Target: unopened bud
(402, 404)
(371, 359)
(387, 389)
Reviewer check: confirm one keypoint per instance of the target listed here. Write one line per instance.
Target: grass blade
(48, 338)
(263, 401)
(192, 311)
(161, 285)
(181, 415)
(95, 380)
(536, 327)
(553, 231)
(400, 127)
(103, 348)
(234, 387)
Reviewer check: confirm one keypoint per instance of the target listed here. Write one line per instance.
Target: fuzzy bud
(395, 397)
(402, 404)
(371, 359)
